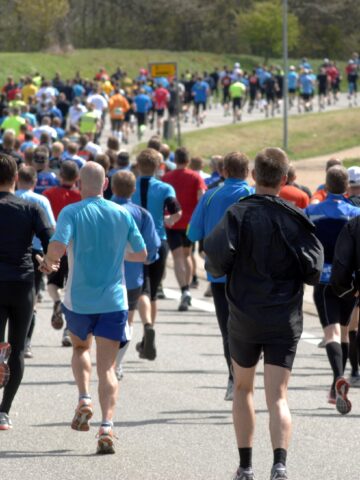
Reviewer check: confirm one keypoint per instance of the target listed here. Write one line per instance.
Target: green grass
(89, 61)
(309, 135)
(351, 162)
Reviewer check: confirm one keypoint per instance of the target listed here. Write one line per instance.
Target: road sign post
(169, 70)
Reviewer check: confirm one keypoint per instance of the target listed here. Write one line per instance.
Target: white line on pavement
(209, 307)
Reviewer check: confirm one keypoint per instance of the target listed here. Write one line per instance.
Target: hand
(46, 267)
(168, 221)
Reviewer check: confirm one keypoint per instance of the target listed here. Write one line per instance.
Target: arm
(311, 257)
(136, 256)
(174, 209)
(344, 263)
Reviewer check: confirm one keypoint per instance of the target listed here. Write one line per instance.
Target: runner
(329, 218)
(157, 197)
(19, 220)
(237, 92)
(95, 303)
(118, 107)
(161, 99)
(123, 185)
(268, 250)
(323, 88)
(60, 196)
(200, 92)
(352, 78)
(293, 79)
(206, 216)
(189, 188)
(292, 192)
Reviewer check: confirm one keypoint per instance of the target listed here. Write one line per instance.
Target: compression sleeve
(172, 205)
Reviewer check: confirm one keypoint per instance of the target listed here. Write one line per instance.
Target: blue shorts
(107, 325)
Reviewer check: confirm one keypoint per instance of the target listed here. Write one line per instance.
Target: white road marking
(205, 306)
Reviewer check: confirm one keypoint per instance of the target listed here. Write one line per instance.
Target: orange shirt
(294, 195)
(118, 106)
(320, 195)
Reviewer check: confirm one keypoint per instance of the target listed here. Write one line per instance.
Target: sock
(334, 353)
(245, 457)
(147, 325)
(84, 396)
(195, 278)
(121, 354)
(345, 353)
(107, 423)
(280, 456)
(184, 289)
(353, 353)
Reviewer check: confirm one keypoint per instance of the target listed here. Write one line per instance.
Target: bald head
(92, 180)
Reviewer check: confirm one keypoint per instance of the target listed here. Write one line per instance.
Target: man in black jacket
(267, 249)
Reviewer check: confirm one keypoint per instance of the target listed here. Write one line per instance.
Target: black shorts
(247, 355)
(133, 296)
(306, 96)
(322, 91)
(177, 238)
(198, 105)
(270, 97)
(331, 308)
(237, 102)
(226, 95)
(37, 274)
(292, 90)
(116, 123)
(154, 272)
(59, 278)
(141, 118)
(160, 112)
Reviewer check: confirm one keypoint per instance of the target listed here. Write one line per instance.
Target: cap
(292, 67)
(351, 62)
(354, 176)
(237, 65)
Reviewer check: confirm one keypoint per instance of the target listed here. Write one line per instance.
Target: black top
(268, 249)
(19, 221)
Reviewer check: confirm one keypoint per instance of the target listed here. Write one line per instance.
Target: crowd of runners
(83, 217)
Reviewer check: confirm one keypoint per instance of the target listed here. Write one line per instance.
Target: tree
(262, 28)
(43, 17)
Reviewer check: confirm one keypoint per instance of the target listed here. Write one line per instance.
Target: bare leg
(189, 271)
(276, 381)
(81, 363)
(106, 351)
(144, 308)
(179, 266)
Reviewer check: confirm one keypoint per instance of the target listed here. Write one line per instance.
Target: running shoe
(119, 372)
(83, 413)
(149, 349)
(28, 350)
(66, 339)
(194, 283)
(57, 319)
(139, 347)
(355, 380)
(343, 404)
(106, 439)
(322, 343)
(5, 350)
(5, 422)
(278, 472)
(332, 396)
(160, 294)
(185, 301)
(208, 292)
(244, 474)
(229, 395)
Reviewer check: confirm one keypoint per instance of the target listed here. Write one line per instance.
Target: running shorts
(154, 272)
(133, 296)
(237, 102)
(59, 278)
(198, 105)
(247, 355)
(331, 308)
(177, 238)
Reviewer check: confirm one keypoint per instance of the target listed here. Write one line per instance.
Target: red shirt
(59, 197)
(187, 184)
(161, 96)
(294, 195)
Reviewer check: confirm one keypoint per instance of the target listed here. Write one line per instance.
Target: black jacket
(268, 249)
(345, 274)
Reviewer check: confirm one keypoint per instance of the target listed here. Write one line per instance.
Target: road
(171, 420)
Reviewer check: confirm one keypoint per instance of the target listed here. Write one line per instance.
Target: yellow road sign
(162, 70)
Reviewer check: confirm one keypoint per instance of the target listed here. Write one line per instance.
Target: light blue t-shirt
(152, 194)
(44, 203)
(292, 80)
(96, 233)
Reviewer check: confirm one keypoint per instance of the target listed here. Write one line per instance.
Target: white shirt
(75, 112)
(98, 101)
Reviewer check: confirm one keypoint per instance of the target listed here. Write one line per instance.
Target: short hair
(271, 164)
(337, 179)
(236, 165)
(214, 160)
(123, 159)
(41, 155)
(72, 148)
(113, 144)
(9, 139)
(332, 162)
(154, 143)
(27, 175)
(123, 183)
(103, 160)
(291, 173)
(196, 163)
(8, 169)
(69, 171)
(57, 147)
(148, 161)
(182, 156)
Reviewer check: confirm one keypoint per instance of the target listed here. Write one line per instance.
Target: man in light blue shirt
(97, 235)
(206, 216)
(27, 179)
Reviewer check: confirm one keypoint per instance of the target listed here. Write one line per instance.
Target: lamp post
(285, 80)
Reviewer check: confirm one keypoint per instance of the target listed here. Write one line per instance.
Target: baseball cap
(354, 176)
(292, 67)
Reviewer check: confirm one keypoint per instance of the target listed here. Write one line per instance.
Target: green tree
(262, 28)
(43, 17)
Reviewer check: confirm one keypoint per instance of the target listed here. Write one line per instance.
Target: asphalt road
(171, 420)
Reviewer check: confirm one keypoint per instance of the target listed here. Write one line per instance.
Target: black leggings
(222, 315)
(16, 306)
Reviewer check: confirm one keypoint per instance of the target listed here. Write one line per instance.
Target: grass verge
(309, 135)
